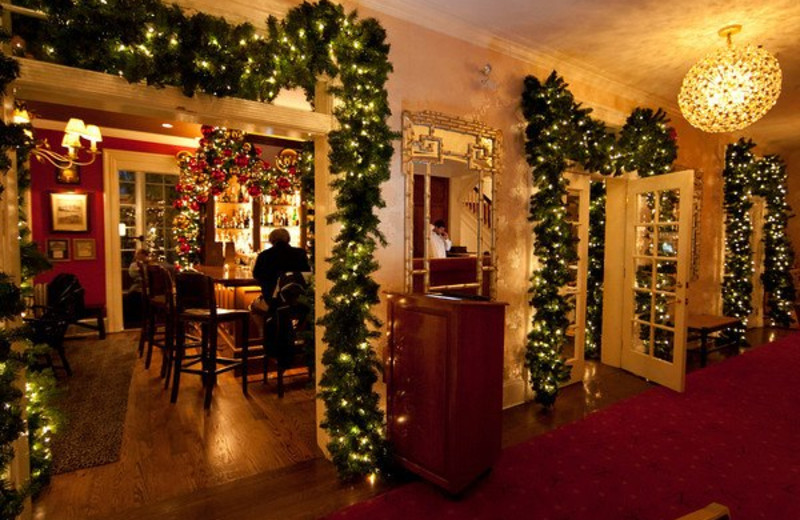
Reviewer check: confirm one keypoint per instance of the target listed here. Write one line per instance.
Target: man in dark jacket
(280, 258)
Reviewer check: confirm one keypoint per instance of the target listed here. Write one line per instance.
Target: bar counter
(232, 277)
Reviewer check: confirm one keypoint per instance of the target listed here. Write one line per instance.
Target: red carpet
(733, 437)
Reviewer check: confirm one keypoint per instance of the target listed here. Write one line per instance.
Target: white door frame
(579, 184)
(113, 162)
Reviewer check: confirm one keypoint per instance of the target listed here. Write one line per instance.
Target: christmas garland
(148, 41)
(559, 131)
(223, 159)
(38, 392)
(745, 175)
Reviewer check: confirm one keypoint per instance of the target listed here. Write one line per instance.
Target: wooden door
(439, 209)
(657, 257)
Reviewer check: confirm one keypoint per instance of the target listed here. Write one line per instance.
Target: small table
(705, 324)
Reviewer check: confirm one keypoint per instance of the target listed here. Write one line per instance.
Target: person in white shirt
(439, 243)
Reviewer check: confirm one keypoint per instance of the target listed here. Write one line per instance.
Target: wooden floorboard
(256, 458)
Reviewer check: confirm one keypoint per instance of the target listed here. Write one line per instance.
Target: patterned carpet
(731, 438)
(94, 401)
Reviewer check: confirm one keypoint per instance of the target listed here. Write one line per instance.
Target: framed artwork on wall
(58, 249)
(69, 211)
(84, 249)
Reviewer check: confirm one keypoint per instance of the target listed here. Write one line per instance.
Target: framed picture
(58, 249)
(70, 211)
(84, 249)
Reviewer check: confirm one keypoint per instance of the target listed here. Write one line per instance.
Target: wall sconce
(73, 133)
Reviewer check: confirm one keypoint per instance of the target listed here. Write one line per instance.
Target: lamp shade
(75, 126)
(730, 89)
(92, 133)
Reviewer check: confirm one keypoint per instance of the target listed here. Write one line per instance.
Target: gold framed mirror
(450, 165)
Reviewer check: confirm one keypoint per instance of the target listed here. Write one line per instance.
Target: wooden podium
(445, 386)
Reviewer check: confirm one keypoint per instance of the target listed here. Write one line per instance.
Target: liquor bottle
(270, 217)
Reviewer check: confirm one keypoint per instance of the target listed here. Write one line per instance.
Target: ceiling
(646, 45)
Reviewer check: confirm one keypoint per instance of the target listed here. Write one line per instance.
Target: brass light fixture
(73, 133)
(731, 88)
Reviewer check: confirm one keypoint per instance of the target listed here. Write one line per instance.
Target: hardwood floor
(171, 450)
(245, 459)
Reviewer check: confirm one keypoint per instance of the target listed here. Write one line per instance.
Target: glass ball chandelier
(731, 88)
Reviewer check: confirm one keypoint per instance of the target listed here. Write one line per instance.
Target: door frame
(113, 161)
(579, 184)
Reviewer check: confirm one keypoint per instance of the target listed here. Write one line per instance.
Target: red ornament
(283, 183)
(242, 160)
(185, 248)
(258, 151)
(218, 161)
(227, 152)
(254, 191)
(293, 171)
(202, 198)
(206, 130)
(673, 134)
(194, 206)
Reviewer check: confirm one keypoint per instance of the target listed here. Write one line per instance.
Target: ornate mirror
(450, 167)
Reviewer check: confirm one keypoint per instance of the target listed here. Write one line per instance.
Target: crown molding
(132, 135)
(574, 71)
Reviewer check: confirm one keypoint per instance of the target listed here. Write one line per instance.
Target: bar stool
(159, 293)
(196, 303)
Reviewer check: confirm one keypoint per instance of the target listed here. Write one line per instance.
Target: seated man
(280, 258)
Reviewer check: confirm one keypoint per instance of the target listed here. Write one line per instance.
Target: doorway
(139, 216)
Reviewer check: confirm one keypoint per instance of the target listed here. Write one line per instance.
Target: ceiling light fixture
(731, 88)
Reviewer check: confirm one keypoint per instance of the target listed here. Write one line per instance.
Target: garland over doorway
(559, 133)
(744, 176)
(149, 41)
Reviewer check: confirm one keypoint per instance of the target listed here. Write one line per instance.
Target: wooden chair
(196, 303)
(49, 322)
(159, 315)
(65, 285)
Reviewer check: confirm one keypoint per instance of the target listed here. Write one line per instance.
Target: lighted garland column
(549, 109)
(736, 283)
(360, 155)
(770, 182)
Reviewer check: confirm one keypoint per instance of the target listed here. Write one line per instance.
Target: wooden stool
(196, 303)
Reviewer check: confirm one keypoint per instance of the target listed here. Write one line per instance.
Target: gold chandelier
(731, 88)
(73, 133)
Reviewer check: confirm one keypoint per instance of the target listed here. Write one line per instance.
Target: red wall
(91, 273)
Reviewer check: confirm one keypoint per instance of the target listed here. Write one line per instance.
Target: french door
(139, 192)
(650, 329)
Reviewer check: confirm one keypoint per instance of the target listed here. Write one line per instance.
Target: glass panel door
(657, 255)
(145, 222)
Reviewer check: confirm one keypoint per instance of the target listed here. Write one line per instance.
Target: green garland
(745, 175)
(559, 131)
(770, 183)
(38, 389)
(149, 41)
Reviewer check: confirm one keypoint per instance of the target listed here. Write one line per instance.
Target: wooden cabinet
(445, 386)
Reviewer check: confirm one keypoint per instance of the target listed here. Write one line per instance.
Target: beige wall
(440, 73)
